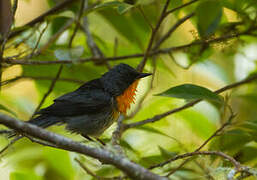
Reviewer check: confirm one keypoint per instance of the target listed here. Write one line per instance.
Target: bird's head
(120, 78)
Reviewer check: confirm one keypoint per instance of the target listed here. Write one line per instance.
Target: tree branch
(235, 163)
(133, 170)
(131, 56)
(6, 82)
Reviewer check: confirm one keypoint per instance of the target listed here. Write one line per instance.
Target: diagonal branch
(41, 18)
(82, 7)
(180, 7)
(141, 66)
(49, 90)
(171, 30)
(235, 163)
(133, 170)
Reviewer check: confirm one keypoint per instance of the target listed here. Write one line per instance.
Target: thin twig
(180, 7)
(141, 66)
(92, 173)
(144, 16)
(54, 37)
(138, 55)
(95, 50)
(216, 133)
(77, 81)
(171, 30)
(40, 142)
(41, 18)
(49, 90)
(10, 144)
(235, 163)
(81, 10)
(37, 43)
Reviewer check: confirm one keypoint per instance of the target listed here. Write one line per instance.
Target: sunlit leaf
(191, 92)
(199, 123)
(60, 161)
(2, 107)
(232, 140)
(152, 130)
(24, 175)
(121, 7)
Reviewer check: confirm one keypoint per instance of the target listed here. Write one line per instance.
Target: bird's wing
(87, 99)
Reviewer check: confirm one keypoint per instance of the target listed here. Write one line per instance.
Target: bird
(95, 105)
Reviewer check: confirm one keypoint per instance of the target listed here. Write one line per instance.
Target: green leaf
(122, 8)
(191, 92)
(200, 124)
(208, 14)
(247, 154)
(107, 171)
(2, 107)
(144, 2)
(152, 130)
(232, 140)
(150, 160)
(59, 160)
(167, 154)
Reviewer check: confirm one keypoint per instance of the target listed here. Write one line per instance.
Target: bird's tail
(42, 121)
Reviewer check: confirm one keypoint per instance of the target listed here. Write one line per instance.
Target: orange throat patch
(124, 100)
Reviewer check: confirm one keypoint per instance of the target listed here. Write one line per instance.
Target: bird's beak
(142, 75)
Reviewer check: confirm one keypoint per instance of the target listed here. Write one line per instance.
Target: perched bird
(95, 105)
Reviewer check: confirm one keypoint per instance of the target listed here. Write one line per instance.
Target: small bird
(94, 106)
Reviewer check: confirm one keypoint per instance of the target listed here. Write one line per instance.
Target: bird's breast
(126, 98)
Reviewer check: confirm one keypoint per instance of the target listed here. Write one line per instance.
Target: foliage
(214, 47)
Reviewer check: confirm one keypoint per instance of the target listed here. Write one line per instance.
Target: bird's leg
(99, 140)
(90, 139)
(87, 137)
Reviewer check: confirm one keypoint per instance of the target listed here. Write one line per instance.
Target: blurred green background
(126, 33)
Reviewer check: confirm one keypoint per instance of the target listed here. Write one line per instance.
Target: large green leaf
(240, 6)
(232, 140)
(191, 92)
(201, 125)
(59, 160)
(208, 15)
